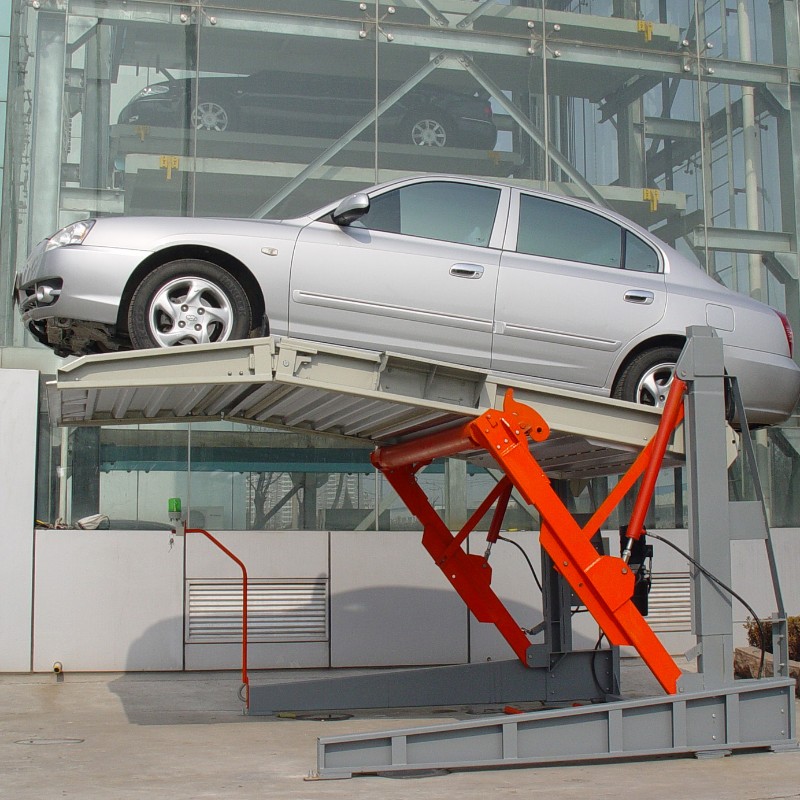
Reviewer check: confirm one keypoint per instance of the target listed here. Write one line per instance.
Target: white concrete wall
(390, 604)
(113, 600)
(18, 414)
(108, 601)
(751, 577)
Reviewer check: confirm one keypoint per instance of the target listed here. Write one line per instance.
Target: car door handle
(466, 271)
(639, 296)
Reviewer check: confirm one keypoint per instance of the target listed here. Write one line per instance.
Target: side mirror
(351, 209)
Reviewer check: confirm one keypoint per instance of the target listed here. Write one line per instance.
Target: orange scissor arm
(604, 584)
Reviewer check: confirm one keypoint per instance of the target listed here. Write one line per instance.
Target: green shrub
(754, 639)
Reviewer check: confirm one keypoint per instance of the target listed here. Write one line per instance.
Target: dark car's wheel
(188, 302)
(211, 115)
(647, 377)
(428, 128)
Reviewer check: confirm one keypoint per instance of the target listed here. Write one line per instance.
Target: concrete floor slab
(183, 735)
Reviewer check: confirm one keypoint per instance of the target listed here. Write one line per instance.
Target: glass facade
(682, 115)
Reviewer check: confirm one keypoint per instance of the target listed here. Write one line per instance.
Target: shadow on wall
(175, 698)
(383, 617)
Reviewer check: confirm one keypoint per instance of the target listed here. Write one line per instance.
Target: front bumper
(79, 282)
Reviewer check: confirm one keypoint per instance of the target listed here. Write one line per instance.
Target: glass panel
(256, 478)
(451, 212)
(141, 467)
(116, 477)
(566, 95)
(639, 257)
(284, 122)
(5, 23)
(558, 230)
(125, 141)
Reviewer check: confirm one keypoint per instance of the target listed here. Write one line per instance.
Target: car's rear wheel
(427, 128)
(188, 302)
(210, 115)
(647, 378)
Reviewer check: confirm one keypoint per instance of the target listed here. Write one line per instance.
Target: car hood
(153, 233)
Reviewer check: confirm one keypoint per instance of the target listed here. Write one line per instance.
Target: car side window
(558, 230)
(639, 256)
(451, 212)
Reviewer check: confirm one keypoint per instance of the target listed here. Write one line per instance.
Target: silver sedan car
(462, 270)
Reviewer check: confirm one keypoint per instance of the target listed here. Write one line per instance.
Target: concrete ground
(183, 735)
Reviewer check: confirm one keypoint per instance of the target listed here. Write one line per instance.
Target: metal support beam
(701, 365)
(591, 51)
(740, 717)
(742, 240)
(539, 136)
(345, 139)
(46, 127)
(579, 675)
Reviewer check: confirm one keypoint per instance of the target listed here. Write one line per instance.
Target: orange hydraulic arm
(604, 584)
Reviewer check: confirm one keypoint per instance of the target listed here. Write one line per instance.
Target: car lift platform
(415, 410)
(384, 398)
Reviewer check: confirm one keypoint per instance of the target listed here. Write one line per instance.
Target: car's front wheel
(188, 302)
(647, 378)
(210, 115)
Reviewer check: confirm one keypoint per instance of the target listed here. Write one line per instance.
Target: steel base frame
(705, 712)
(589, 675)
(746, 716)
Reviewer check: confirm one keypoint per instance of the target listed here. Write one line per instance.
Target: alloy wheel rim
(429, 132)
(210, 117)
(189, 310)
(654, 385)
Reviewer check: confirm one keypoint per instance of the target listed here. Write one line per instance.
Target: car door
(277, 102)
(574, 289)
(416, 274)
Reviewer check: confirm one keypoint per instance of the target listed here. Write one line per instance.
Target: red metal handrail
(245, 679)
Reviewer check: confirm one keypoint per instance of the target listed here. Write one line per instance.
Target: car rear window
(559, 230)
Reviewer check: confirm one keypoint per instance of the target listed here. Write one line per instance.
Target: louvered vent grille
(277, 611)
(670, 606)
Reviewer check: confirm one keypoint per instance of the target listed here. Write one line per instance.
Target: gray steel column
(455, 493)
(46, 127)
(630, 123)
(701, 365)
(786, 49)
(94, 166)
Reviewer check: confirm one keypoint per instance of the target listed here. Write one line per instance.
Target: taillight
(487, 111)
(787, 329)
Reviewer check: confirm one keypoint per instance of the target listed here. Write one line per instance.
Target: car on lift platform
(468, 271)
(314, 105)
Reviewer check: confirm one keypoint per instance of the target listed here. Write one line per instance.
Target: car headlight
(72, 234)
(156, 88)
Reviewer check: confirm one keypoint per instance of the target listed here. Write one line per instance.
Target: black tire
(646, 378)
(188, 302)
(427, 127)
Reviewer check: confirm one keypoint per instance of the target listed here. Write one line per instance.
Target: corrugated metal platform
(384, 398)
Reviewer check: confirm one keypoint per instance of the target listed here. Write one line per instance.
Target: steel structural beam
(342, 142)
(586, 675)
(665, 128)
(740, 717)
(631, 58)
(538, 136)
(786, 45)
(741, 240)
(608, 30)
